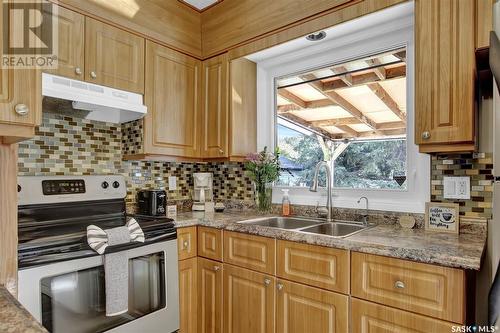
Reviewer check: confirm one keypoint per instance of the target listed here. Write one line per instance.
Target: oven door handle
(132, 245)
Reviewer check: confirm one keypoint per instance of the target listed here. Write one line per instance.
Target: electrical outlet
(456, 187)
(172, 183)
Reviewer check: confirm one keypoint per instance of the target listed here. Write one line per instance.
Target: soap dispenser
(285, 204)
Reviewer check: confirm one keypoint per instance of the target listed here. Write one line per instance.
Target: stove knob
(104, 185)
(116, 184)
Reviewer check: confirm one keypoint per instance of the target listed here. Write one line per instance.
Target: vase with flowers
(263, 168)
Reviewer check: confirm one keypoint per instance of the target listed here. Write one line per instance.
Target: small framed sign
(441, 216)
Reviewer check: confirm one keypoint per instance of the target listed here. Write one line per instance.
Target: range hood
(101, 103)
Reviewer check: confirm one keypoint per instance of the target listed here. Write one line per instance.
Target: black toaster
(152, 202)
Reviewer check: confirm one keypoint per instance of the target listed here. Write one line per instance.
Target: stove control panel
(67, 186)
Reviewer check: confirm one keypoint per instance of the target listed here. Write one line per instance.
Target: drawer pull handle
(21, 109)
(267, 282)
(399, 285)
(216, 268)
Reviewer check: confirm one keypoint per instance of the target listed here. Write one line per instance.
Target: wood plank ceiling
(360, 99)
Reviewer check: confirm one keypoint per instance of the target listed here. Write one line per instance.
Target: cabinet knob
(267, 282)
(78, 71)
(22, 109)
(221, 151)
(216, 268)
(399, 285)
(280, 286)
(185, 244)
(93, 75)
(426, 135)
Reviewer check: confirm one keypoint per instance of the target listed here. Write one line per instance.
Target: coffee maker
(203, 191)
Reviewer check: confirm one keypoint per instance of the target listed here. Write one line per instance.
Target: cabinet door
(248, 301)
(188, 295)
(209, 296)
(113, 57)
(249, 251)
(186, 242)
(210, 243)
(307, 309)
(444, 73)
(427, 289)
(243, 108)
(314, 265)
(369, 317)
(215, 110)
(19, 88)
(173, 85)
(71, 38)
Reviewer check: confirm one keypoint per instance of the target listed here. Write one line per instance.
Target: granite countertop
(14, 318)
(461, 251)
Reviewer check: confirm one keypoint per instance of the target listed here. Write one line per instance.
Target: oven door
(69, 296)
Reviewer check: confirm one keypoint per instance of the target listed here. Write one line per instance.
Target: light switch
(172, 183)
(456, 187)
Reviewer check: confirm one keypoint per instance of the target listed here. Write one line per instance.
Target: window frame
(352, 44)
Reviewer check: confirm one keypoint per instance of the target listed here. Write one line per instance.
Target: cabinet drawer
(368, 317)
(427, 289)
(254, 252)
(210, 243)
(306, 309)
(314, 265)
(186, 242)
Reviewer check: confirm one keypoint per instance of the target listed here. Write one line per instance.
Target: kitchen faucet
(365, 216)
(314, 187)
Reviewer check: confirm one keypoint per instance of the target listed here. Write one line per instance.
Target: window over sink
(348, 100)
(352, 115)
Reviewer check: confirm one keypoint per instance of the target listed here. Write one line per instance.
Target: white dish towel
(115, 264)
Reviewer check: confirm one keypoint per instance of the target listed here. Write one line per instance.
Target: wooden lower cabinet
(430, 290)
(209, 296)
(188, 295)
(249, 251)
(305, 309)
(186, 243)
(249, 301)
(369, 317)
(317, 266)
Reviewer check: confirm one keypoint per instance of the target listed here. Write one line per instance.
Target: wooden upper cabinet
(20, 96)
(209, 296)
(444, 75)
(249, 300)
(172, 95)
(215, 107)
(71, 39)
(243, 108)
(113, 57)
(306, 309)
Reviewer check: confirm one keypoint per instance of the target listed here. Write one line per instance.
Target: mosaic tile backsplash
(66, 145)
(479, 167)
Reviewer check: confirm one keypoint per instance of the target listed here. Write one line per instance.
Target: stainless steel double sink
(338, 229)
